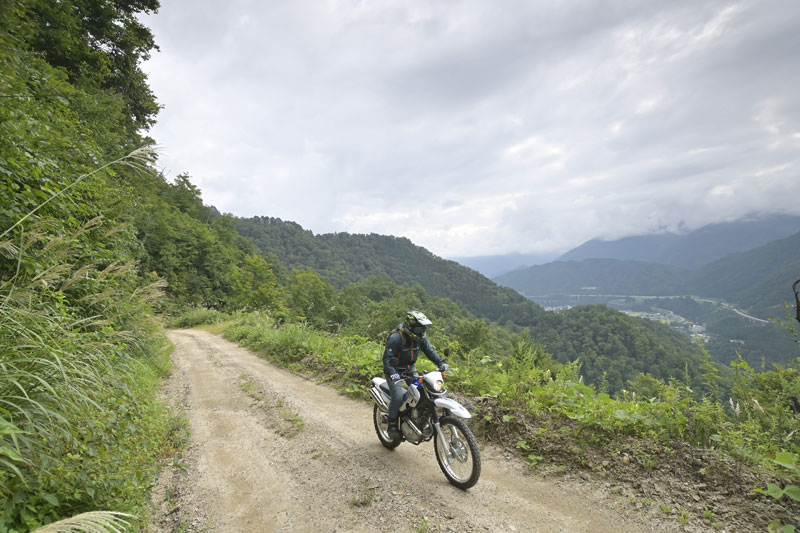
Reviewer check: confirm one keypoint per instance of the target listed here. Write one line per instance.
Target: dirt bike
(427, 413)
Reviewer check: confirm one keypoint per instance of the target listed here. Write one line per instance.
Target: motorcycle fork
(438, 427)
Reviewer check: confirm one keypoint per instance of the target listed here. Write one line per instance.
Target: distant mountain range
(494, 265)
(598, 276)
(694, 249)
(757, 280)
(689, 250)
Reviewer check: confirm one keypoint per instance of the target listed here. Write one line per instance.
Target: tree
(310, 297)
(255, 285)
(98, 43)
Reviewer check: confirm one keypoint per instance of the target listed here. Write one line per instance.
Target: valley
(725, 329)
(735, 299)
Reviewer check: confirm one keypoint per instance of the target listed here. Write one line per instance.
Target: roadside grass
(196, 316)
(81, 360)
(217, 328)
(556, 419)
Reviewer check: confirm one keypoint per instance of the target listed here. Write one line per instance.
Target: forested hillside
(596, 333)
(80, 427)
(344, 258)
(758, 281)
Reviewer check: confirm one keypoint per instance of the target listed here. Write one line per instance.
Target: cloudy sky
(476, 127)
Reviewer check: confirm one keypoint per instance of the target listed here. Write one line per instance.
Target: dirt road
(274, 452)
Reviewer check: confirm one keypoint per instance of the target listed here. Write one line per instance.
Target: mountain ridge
(694, 249)
(758, 280)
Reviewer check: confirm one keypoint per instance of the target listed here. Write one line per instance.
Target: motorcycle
(427, 413)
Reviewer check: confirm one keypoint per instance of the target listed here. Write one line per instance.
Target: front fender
(452, 406)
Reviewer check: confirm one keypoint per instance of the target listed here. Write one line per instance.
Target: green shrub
(197, 316)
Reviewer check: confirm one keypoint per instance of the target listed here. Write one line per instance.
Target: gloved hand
(395, 377)
(444, 367)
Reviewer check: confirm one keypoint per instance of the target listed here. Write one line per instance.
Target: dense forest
(97, 249)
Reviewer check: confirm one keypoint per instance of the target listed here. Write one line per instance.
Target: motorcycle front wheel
(381, 420)
(458, 454)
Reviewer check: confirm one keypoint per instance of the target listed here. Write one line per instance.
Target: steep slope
(694, 249)
(759, 280)
(346, 258)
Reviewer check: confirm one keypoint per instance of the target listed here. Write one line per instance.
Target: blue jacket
(407, 351)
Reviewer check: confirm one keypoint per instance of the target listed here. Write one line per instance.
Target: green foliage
(98, 44)
(204, 262)
(614, 347)
(79, 357)
(78, 371)
(196, 316)
(604, 340)
(310, 297)
(788, 461)
(343, 360)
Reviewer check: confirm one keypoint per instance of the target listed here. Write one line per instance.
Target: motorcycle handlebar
(406, 374)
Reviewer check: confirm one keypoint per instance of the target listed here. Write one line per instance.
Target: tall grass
(93, 522)
(79, 429)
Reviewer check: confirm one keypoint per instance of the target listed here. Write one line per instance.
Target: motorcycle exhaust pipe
(412, 432)
(379, 398)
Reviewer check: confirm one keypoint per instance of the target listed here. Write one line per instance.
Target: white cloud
(476, 128)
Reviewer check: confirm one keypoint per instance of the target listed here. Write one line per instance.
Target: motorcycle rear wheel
(381, 420)
(458, 455)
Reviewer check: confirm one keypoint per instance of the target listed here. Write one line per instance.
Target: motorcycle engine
(422, 424)
(411, 432)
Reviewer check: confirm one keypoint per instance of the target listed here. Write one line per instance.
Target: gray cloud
(483, 128)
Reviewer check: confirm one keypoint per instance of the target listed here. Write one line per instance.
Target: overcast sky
(478, 127)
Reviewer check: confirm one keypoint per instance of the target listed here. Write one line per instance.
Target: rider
(405, 343)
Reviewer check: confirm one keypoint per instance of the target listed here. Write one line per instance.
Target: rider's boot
(394, 431)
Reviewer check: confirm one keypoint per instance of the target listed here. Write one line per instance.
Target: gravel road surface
(272, 451)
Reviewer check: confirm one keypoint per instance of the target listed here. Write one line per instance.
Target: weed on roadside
(425, 527)
(364, 496)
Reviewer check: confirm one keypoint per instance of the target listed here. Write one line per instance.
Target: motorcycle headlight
(438, 385)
